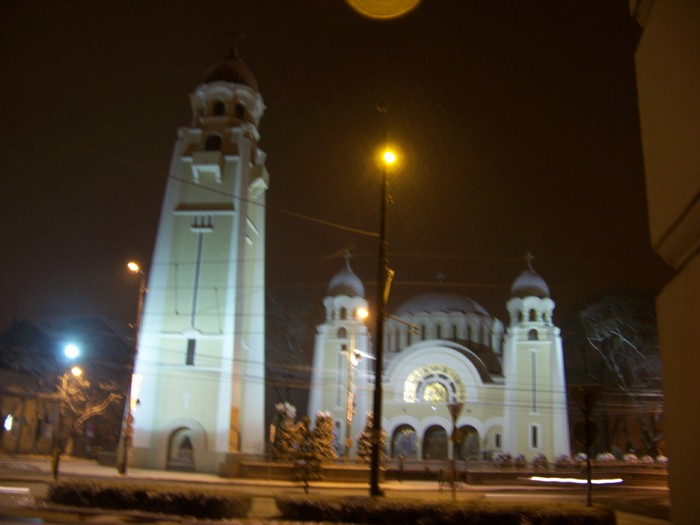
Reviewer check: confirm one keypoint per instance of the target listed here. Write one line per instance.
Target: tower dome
(231, 69)
(529, 283)
(440, 302)
(345, 282)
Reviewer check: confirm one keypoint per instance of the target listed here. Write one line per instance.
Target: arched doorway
(181, 450)
(403, 442)
(470, 447)
(435, 443)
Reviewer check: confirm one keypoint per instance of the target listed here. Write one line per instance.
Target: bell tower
(535, 412)
(340, 377)
(201, 355)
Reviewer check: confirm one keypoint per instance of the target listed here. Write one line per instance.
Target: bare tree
(621, 328)
(81, 401)
(288, 348)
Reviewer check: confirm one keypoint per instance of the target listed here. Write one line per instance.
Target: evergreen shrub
(160, 498)
(363, 509)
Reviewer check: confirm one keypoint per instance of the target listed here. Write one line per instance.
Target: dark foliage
(363, 509)
(179, 499)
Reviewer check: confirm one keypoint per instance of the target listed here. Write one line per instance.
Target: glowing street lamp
(76, 371)
(127, 423)
(384, 275)
(353, 356)
(71, 351)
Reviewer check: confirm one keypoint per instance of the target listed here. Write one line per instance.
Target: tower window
(213, 143)
(438, 332)
(497, 440)
(534, 436)
(533, 315)
(191, 345)
(219, 108)
(343, 314)
(239, 111)
(532, 335)
(342, 333)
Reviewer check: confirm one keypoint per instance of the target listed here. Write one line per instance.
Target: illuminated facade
(443, 348)
(201, 356)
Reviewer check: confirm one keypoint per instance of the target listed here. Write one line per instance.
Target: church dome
(345, 282)
(231, 69)
(529, 284)
(440, 302)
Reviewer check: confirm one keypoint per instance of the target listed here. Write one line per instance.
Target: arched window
(213, 143)
(435, 443)
(454, 332)
(239, 111)
(422, 332)
(403, 442)
(342, 333)
(438, 332)
(343, 314)
(532, 335)
(533, 315)
(219, 108)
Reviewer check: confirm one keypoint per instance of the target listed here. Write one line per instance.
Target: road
(23, 482)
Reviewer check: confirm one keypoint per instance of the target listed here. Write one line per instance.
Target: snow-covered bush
(605, 457)
(563, 460)
(322, 437)
(581, 457)
(286, 433)
(630, 458)
(520, 461)
(662, 460)
(646, 459)
(364, 441)
(502, 459)
(540, 461)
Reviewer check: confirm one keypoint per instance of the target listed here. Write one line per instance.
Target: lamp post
(455, 410)
(128, 420)
(353, 357)
(388, 158)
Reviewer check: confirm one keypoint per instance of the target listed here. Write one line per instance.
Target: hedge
(366, 510)
(154, 497)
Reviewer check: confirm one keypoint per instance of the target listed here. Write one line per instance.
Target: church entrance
(435, 443)
(181, 450)
(469, 448)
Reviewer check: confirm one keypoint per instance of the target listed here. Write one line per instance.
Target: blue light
(71, 350)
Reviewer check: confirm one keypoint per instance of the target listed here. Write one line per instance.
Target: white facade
(201, 355)
(442, 348)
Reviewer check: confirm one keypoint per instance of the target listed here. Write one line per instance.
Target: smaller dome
(440, 302)
(231, 69)
(345, 282)
(529, 284)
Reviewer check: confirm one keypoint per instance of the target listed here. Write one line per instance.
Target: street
(22, 482)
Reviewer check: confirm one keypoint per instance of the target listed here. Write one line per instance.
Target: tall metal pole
(379, 354)
(350, 409)
(127, 422)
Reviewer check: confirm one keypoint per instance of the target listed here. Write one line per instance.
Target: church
(442, 348)
(200, 367)
(199, 378)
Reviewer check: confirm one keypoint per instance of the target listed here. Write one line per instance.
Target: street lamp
(353, 356)
(71, 351)
(128, 420)
(383, 273)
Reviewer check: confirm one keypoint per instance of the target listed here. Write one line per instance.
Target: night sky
(517, 122)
